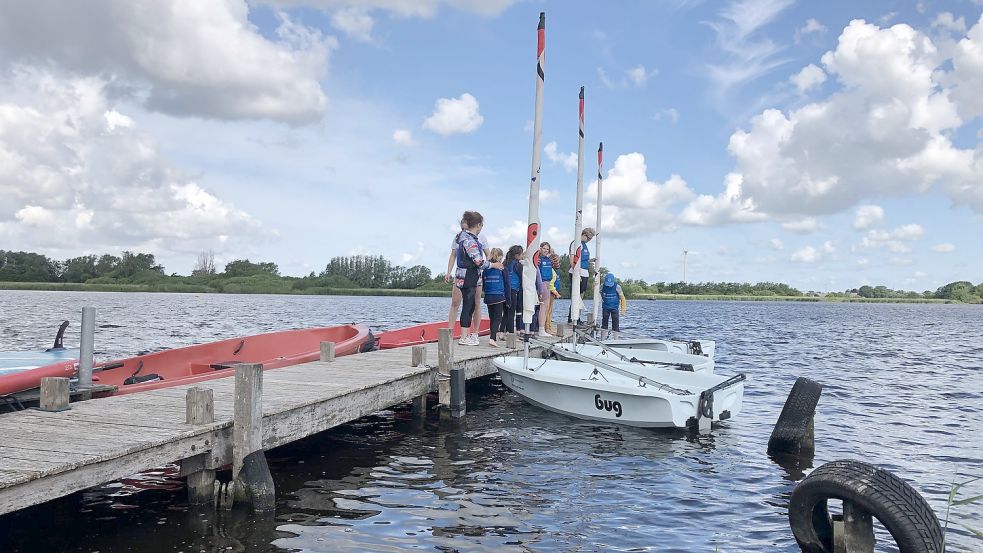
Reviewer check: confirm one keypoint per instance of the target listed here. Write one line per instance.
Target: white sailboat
(648, 397)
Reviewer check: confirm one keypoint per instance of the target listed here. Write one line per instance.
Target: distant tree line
(371, 272)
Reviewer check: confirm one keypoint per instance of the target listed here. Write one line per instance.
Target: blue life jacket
(584, 256)
(609, 293)
(494, 283)
(514, 280)
(545, 267)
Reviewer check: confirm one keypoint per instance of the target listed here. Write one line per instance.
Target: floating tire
(899, 507)
(792, 431)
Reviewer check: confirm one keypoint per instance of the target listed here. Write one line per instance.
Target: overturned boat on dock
(643, 396)
(201, 362)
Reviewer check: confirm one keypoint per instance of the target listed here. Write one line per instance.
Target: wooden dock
(45, 455)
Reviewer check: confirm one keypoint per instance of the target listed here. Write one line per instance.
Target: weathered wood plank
(48, 455)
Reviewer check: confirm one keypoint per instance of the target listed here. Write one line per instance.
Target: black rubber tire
(793, 424)
(899, 507)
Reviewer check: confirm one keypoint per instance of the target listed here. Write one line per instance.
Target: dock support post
(87, 347)
(419, 357)
(459, 404)
(54, 394)
(250, 472)
(199, 410)
(327, 352)
(510, 340)
(419, 354)
(855, 532)
(445, 358)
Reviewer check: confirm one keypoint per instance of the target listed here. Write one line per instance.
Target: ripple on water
(903, 387)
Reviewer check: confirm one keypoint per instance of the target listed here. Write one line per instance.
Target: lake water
(903, 388)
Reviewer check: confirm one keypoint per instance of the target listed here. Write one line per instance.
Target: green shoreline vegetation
(364, 275)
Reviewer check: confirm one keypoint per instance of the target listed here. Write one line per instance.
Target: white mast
(530, 296)
(597, 240)
(576, 303)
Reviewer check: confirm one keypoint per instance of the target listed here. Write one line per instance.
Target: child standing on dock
(470, 262)
(455, 291)
(513, 274)
(612, 301)
(546, 289)
(498, 295)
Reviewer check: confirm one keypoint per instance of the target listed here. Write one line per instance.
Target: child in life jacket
(470, 263)
(612, 301)
(555, 285)
(498, 295)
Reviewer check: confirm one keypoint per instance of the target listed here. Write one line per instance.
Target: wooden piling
(54, 394)
(511, 341)
(445, 356)
(327, 352)
(87, 347)
(250, 473)
(458, 400)
(419, 356)
(855, 532)
(199, 410)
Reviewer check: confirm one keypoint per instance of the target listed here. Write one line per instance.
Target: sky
(825, 145)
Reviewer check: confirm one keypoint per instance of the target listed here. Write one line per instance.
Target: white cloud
(808, 78)
(828, 247)
(728, 207)
(947, 22)
(547, 194)
(944, 248)
(807, 254)
(77, 174)
(806, 225)
(568, 160)
(514, 233)
(354, 22)
(406, 8)
(811, 26)
(748, 55)
(633, 203)
(414, 257)
(455, 116)
(638, 75)
(885, 133)
(776, 244)
(868, 216)
(404, 137)
(179, 57)
(670, 114)
(559, 239)
(900, 261)
(893, 240)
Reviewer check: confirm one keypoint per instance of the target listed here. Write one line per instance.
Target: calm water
(903, 389)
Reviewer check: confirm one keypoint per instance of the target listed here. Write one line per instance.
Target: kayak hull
(203, 362)
(423, 334)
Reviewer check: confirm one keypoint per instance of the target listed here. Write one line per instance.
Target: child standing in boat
(612, 301)
(498, 295)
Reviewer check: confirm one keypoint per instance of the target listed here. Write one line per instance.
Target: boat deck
(45, 455)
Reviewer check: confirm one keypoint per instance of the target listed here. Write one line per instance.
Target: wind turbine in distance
(684, 265)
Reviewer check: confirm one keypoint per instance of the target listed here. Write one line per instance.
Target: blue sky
(824, 145)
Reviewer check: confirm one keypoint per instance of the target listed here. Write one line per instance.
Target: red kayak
(191, 364)
(423, 334)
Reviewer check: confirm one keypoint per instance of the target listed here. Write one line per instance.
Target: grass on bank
(837, 299)
(244, 287)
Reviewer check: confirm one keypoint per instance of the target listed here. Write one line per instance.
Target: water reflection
(513, 477)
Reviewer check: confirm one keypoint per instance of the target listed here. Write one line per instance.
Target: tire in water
(898, 506)
(792, 429)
